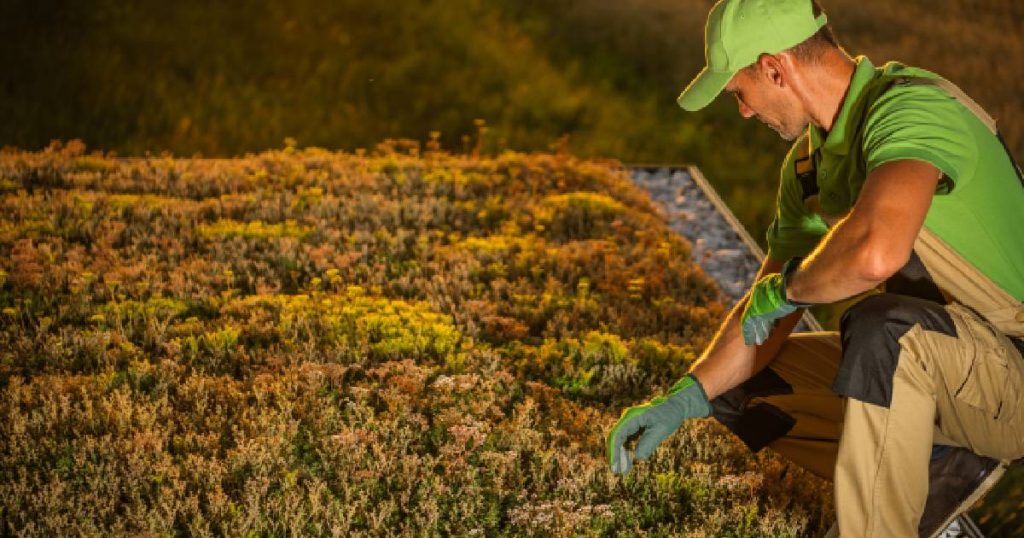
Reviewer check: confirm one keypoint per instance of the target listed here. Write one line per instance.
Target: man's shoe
(957, 478)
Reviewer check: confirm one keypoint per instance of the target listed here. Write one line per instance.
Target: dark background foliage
(228, 78)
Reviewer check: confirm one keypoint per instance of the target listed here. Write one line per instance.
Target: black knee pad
(756, 425)
(870, 332)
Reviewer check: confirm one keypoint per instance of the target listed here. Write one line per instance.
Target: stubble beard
(789, 133)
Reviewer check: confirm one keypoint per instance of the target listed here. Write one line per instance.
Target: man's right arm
(728, 361)
(796, 230)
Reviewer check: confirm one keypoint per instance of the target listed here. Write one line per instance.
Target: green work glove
(768, 303)
(658, 418)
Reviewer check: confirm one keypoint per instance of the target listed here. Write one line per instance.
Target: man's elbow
(881, 259)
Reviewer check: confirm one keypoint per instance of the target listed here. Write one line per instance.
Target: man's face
(770, 104)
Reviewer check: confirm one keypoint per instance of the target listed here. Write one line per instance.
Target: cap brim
(703, 89)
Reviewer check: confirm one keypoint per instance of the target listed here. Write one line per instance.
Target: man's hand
(768, 303)
(658, 418)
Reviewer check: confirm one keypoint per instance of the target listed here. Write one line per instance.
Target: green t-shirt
(978, 208)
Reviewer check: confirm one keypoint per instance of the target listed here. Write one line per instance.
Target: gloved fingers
(623, 462)
(750, 331)
(756, 330)
(629, 423)
(764, 329)
(767, 326)
(651, 438)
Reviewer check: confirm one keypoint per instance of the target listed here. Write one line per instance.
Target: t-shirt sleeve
(796, 230)
(922, 123)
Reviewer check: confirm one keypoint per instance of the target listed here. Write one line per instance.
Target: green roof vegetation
(440, 350)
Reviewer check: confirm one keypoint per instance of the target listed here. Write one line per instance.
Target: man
(899, 196)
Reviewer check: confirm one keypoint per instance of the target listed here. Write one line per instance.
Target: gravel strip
(717, 248)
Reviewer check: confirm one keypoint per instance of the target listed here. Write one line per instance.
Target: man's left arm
(874, 241)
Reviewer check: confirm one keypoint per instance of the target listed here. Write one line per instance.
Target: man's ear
(772, 70)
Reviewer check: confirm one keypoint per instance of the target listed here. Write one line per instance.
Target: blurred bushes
(227, 79)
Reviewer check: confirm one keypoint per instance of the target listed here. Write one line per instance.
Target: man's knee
(870, 331)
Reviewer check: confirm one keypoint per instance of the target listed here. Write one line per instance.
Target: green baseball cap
(737, 32)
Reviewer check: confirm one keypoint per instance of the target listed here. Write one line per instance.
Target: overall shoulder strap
(956, 93)
(804, 167)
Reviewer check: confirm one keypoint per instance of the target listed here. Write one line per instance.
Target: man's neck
(831, 82)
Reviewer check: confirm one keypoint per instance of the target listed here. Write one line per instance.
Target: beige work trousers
(957, 381)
